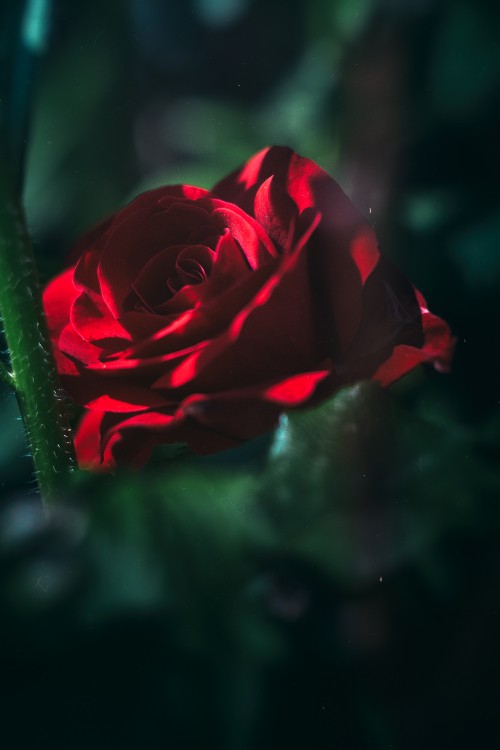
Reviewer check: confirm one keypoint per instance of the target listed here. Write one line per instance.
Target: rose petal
(253, 241)
(103, 441)
(150, 231)
(229, 267)
(93, 321)
(192, 328)
(126, 397)
(276, 212)
(58, 297)
(436, 349)
(348, 247)
(298, 389)
(244, 413)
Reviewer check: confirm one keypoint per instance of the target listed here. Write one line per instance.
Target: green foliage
(185, 536)
(229, 579)
(360, 486)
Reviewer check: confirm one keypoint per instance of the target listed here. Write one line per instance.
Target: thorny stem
(33, 372)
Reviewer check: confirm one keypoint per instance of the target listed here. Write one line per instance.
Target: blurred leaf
(476, 251)
(59, 130)
(425, 212)
(466, 69)
(360, 486)
(180, 543)
(351, 16)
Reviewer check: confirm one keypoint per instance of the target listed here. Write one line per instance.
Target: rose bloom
(197, 316)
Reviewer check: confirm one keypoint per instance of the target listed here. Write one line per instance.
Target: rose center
(189, 271)
(173, 271)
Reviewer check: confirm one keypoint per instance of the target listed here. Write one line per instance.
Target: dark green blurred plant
(225, 580)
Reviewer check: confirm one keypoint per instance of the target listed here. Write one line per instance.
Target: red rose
(197, 316)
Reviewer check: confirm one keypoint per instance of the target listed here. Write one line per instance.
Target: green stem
(34, 374)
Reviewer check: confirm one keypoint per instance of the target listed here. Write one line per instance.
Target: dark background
(246, 601)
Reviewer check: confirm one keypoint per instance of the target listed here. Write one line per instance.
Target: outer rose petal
(99, 438)
(437, 349)
(258, 408)
(58, 297)
(88, 443)
(105, 441)
(340, 272)
(205, 423)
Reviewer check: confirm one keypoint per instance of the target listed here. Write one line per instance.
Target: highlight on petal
(58, 296)
(88, 439)
(365, 252)
(255, 244)
(93, 321)
(276, 213)
(247, 176)
(127, 397)
(296, 390)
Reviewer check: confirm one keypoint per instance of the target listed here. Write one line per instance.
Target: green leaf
(359, 486)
